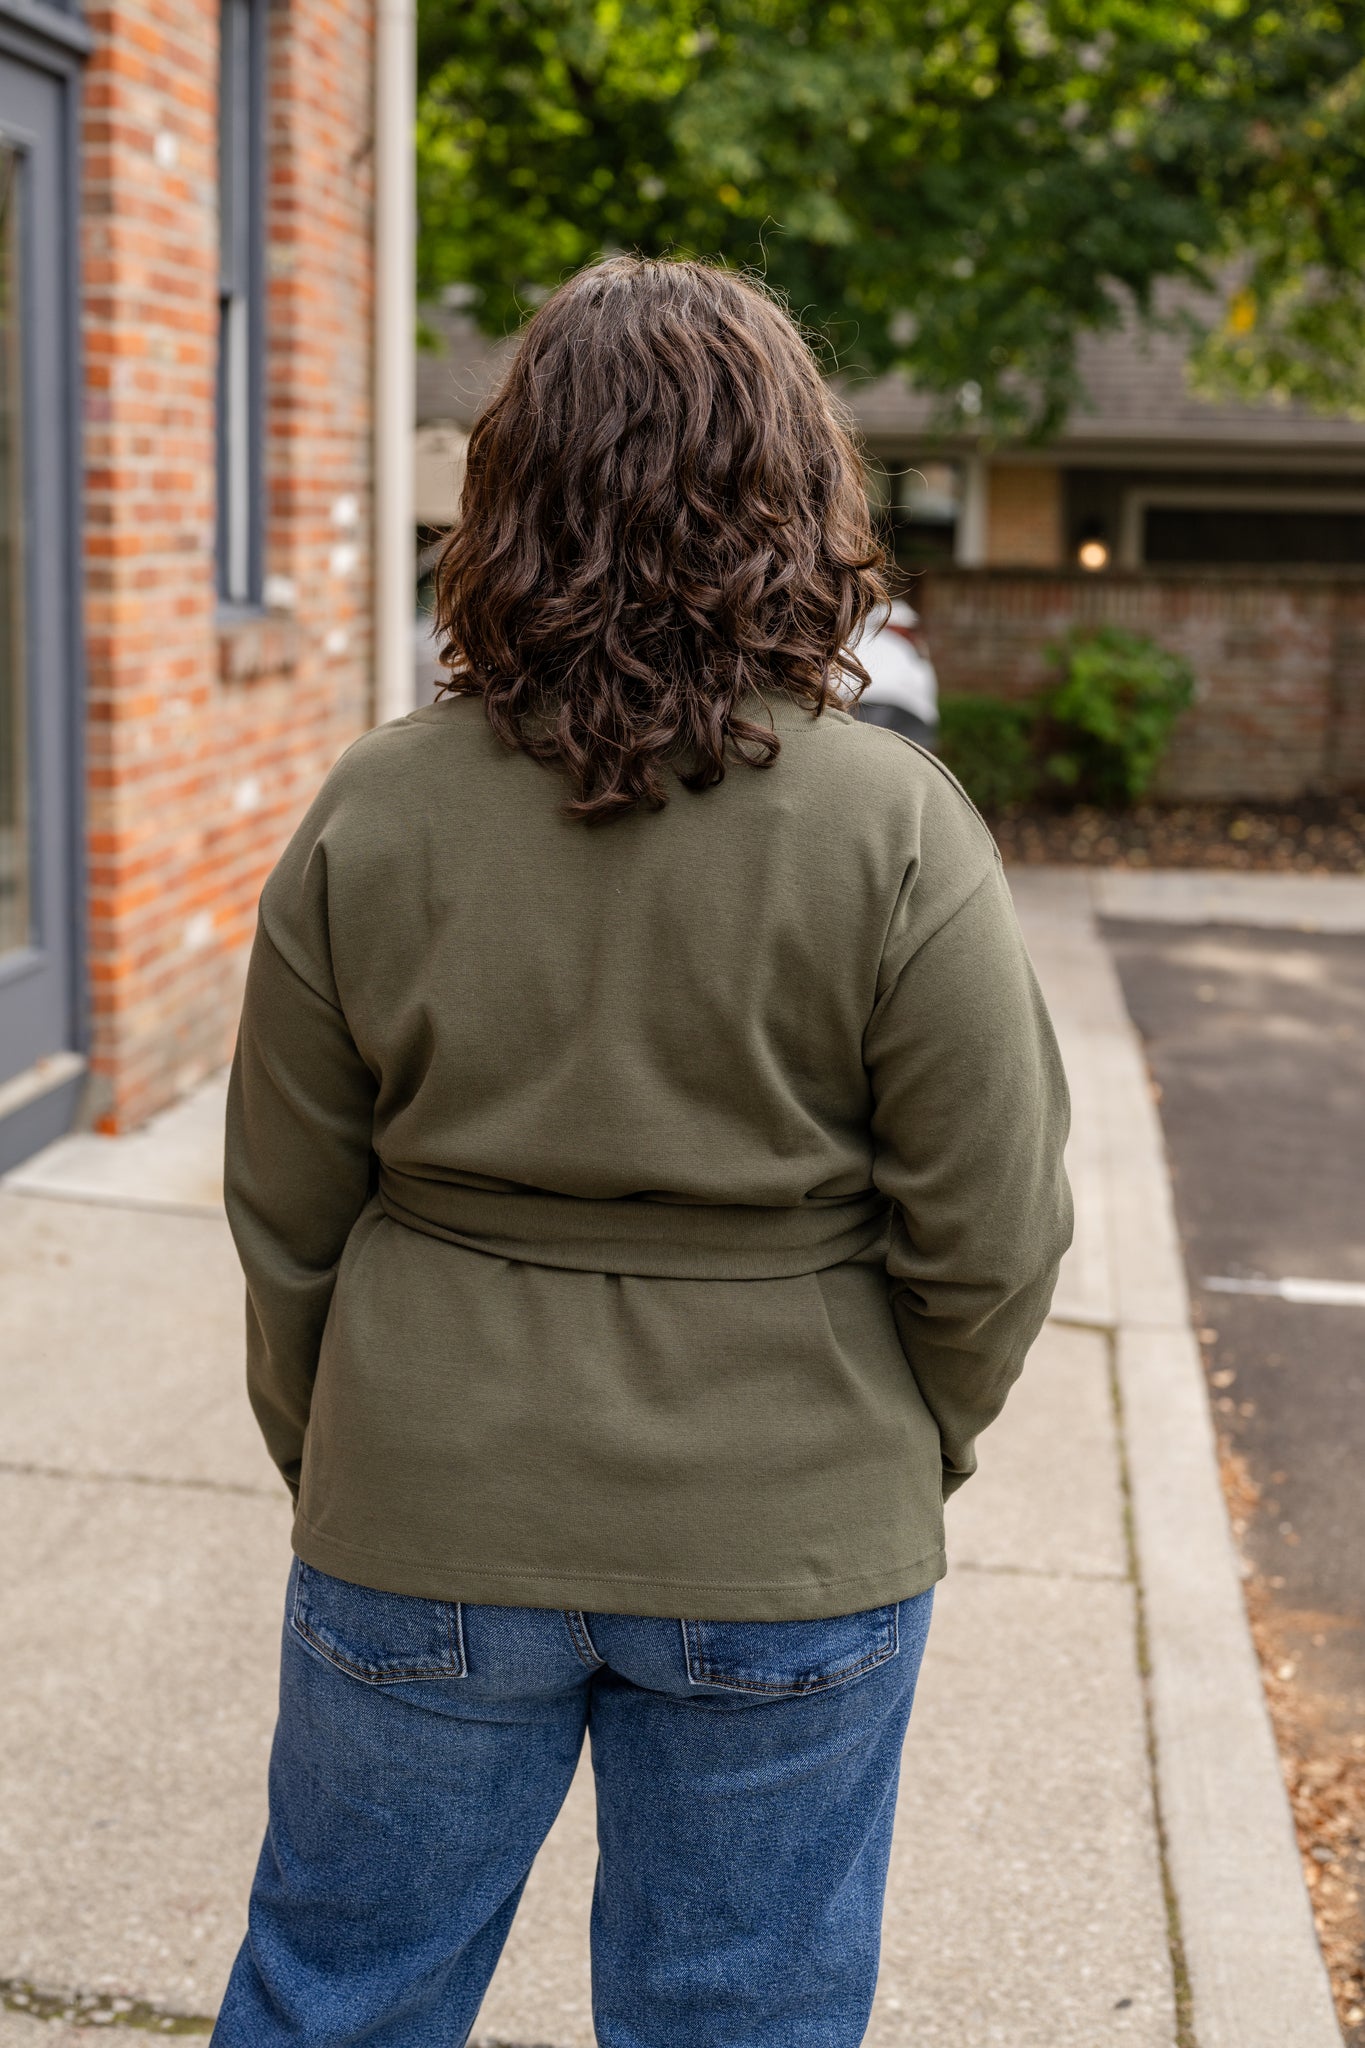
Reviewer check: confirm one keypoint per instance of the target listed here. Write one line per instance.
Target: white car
(903, 692)
(427, 672)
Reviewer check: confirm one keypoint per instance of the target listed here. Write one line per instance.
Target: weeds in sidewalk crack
(97, 2009)
(1175, 1941)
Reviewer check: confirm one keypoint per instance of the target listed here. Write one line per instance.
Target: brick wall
(1024, 515)
(1280, 662)
(204, 744)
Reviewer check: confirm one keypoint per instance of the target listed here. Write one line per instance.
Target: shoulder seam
(948, 776)
(957, 910)
(277, 949)
(886, 993)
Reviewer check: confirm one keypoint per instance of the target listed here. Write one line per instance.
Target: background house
(1234, 534)
(1148, 474)
(186, 258)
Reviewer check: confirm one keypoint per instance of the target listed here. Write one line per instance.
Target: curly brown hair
(664, 516)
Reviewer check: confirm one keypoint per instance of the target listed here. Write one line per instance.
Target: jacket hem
(617, 1592)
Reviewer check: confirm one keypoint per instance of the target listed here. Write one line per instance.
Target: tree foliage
(961, 188)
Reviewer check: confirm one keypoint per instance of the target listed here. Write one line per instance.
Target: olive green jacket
(644, 1218)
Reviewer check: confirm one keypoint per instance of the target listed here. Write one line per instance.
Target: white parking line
(1317, 1293)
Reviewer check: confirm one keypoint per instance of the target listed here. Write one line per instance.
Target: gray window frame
(239, 542)
(52, 42)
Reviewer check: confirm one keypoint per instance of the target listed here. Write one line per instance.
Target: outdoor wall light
(1092, 551)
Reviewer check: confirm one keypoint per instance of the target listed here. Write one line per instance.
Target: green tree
(958, 187)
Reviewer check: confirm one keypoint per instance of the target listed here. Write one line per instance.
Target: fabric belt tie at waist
(660, 1240)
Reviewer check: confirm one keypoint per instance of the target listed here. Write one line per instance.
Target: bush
(989, 745)
(1110, 718)
(1096, 737)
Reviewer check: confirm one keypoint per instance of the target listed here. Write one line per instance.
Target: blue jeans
(746, 1786)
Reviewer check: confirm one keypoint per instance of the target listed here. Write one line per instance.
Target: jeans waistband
(664, 1240)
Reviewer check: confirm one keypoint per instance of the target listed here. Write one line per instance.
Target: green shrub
(1109, 719)
(989, 745)
(1096, 737)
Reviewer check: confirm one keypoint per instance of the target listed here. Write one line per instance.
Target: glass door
(40, 1063)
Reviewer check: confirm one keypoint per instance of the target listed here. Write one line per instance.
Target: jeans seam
(582, 1640)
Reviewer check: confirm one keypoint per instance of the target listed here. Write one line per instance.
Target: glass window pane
(928, 507)
(239, 369)
(16, 879)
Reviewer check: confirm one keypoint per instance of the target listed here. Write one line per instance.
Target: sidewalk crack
(1182, 1990)
(1038, 1571)
(30, 1469)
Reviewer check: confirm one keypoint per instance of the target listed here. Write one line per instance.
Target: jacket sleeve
(298, 1166)
(970, 1121)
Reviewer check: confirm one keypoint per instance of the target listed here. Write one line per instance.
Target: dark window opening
(923, 513)
(1175, 534)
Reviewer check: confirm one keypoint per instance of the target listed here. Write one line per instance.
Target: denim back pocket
(786, 1659)
(381, 1638)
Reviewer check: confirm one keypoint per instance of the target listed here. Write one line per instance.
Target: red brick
(174, 729)
(1280, 663)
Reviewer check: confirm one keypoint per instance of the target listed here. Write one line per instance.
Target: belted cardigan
(648, 1217)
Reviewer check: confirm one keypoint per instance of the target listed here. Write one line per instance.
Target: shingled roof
(1136, 399)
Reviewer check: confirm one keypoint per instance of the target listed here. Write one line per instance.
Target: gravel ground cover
(1318, 835)
(1324, 1769)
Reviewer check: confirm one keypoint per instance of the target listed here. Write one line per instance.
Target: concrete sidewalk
(1035, 1902)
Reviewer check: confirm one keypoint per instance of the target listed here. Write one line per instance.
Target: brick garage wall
(205, 744)
(1280, 663)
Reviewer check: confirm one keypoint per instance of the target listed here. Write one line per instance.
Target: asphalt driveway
(1256, 1039)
